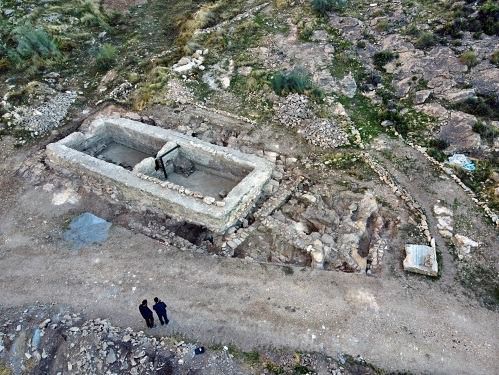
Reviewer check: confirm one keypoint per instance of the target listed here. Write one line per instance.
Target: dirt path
(398, 324)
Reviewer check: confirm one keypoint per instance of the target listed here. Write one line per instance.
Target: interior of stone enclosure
(188, 167)
(117, 153)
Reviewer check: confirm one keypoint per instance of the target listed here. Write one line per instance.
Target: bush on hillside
(34, 42)
(296, 81)
(106, 56)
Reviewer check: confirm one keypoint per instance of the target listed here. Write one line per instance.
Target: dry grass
(4, 370)
(199, 20)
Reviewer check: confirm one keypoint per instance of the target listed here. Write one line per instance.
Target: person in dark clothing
(146, 314)
(160, 308)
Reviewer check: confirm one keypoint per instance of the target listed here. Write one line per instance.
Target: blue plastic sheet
(37, 336)
(87, 229)
(462, 161)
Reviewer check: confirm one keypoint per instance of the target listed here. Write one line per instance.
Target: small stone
(209, 200)
(45, 323)
(184, 61)
(111, 357)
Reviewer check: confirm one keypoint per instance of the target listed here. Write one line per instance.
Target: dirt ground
(404, 324)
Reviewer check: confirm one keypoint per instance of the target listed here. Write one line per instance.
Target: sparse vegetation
(494, 58)
(482, 106)
(244, 66)
(295, 81)
(435, 149)
(425, 40)
(383, 25)
(469, 58)
(4, 370)
(487, 132)
(477, 178)
(382, 58)
(343, 160)
(34, 48)
(106, 57)
(324, 6)
(366, 116)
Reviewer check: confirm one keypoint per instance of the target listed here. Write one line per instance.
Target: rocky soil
(48, 340)
(358, 106)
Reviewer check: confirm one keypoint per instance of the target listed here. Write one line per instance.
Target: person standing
(146, 314)
(160, 308)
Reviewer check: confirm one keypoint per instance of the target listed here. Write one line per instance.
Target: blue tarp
(462, 161)
(87, 229)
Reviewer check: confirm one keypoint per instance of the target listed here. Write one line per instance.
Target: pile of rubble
(188, 63)
(44, 341)
(40, 119)
(295, 112)
(47, 340)
(324, 133)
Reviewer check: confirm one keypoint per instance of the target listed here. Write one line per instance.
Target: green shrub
(306, 33)
(425, 40)
(324, 6)
(106, 57)
(436, 148)
(297, 81)
(437, 154)
(494, 58)
(4, 64)
(466, 18)
(317, 94)
(361, 44)
(32, 42)
(469, 58)
(382, 25)
(382, 58)
(482, 106)
(413, 30)
(487, 132)
(488, 16)
(439, 144)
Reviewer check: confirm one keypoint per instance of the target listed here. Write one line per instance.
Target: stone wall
(174, 200)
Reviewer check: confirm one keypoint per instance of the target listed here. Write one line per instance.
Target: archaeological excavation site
(310, 187)
(179, 176)
(253, 205)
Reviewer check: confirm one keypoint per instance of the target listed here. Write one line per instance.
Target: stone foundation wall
(174, 200)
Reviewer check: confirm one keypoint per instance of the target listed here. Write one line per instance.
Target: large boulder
(486, 81)
(458, 132)
(421, 259)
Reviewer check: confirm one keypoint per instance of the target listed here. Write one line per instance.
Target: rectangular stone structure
(125, 142)
(421, 259)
